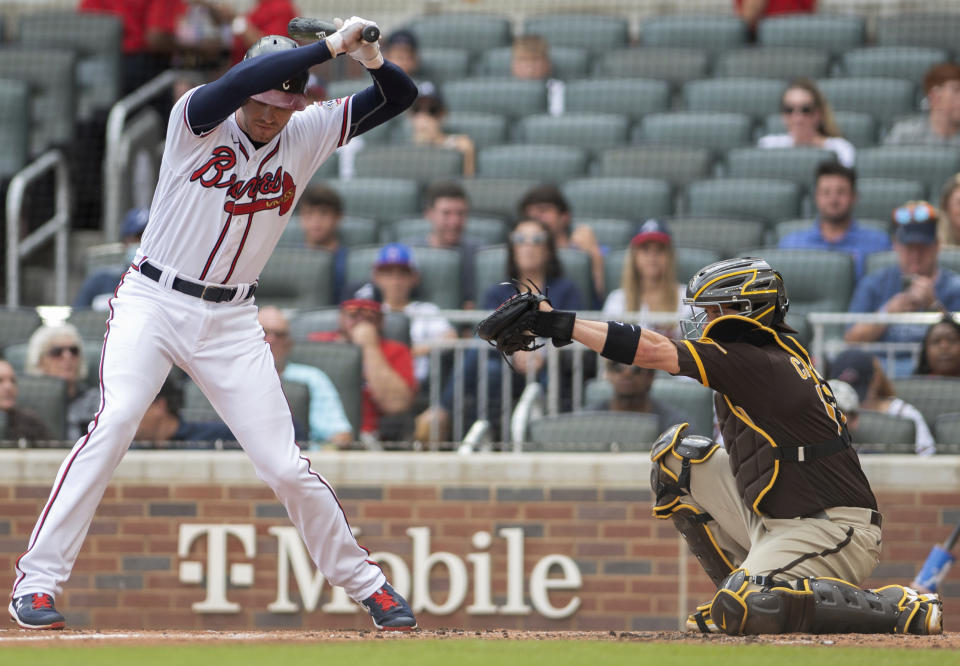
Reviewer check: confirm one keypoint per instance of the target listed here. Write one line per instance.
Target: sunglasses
(921, 212)
(804, 109)
(620, 367)
(279, 334)
(58, 351)
(539, 238)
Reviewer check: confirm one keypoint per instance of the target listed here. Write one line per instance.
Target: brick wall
(128, 574)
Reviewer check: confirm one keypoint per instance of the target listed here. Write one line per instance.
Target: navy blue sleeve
(213, 102)
(391, 94)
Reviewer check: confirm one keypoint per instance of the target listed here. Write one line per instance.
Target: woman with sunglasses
(948, 230)
(57, 351)
(809, 122)
(426, 129)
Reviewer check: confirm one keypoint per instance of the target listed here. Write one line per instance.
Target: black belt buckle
(876, 518)
(216, 293)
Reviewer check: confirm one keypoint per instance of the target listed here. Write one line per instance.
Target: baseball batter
(783, 518)
(238, 153)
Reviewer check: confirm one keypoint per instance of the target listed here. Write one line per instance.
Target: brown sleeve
(739, 370)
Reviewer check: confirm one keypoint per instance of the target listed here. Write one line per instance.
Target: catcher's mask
(747, 284)
(287, 94)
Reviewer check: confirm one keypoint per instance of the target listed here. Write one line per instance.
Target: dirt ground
(949, 641)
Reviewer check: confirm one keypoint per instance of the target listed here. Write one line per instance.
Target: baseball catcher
(781, 517)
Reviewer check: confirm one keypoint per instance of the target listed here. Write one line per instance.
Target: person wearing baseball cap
(98, 287)
(395, 274)
(389, 386)
(916, 283)
(648, 282)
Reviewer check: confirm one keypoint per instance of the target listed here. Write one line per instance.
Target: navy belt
(206, 292)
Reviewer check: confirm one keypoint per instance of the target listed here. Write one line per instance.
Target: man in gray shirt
(941, 127)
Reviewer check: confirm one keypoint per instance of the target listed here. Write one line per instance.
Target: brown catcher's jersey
(769, 395)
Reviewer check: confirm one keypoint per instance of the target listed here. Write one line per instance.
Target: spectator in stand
(876, 393)
(389, 384)
(327, 420)
(835, 195)
(447, 208)
(752, 11)
(97, 289)
(395, 274)
(18, 423)
(320, 211)
(267, 17)
(917, 283)
(949, 230)
(941, 126)
(162, 424)
(847, 400)
(531, 257)
(809, 121)
(940, 351)
(648, 282)
(530, 59)
(402, 49)
(426, 115)
(547, 204)
(57, 351)
(631, 393)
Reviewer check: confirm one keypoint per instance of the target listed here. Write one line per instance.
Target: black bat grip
(370, 34)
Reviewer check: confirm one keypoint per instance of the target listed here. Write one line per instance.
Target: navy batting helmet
(293, 88)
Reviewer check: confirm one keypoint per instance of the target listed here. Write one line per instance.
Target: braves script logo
(215, 173)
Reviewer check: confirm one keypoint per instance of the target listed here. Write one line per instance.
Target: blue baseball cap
(134, 222)
(395, 254)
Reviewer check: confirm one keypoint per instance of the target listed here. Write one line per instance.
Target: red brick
(147, 527)
(495, 511)
(260, 492)
(145, 492)
(145, 599)
(197, 492)
(229, 509)
(548, 512)
(626, 604)
(387, 511)
(413, 493)
(911, 515)
(581, 530)
(125, 545)
(122, 509)
(625, 531)
(97, 564)
(600, 549)
(31, 492)
(440, 512)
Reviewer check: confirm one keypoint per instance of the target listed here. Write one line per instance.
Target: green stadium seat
(591, 131)
(884, 98)
(611, 232)
(754, 198)
(47, 398)
(482, 230)
(15, 129)
(712, 32)
(351, 231)
(930, 30)
(949, 257)
(878, 432)
(624, 198)
(946, 429)
(691, 259)
(422, 163)
(715, 131)
(346, 87)
(343, 364)
(858, 128)
(633, 98)
(95, 38)
(899, 62)
(593, 432)
(490, 268)
(677, 165)
(877, 197)
(817, 280)
(17, 325)
(589, 31)
(486, 129)
(439, 272)
(496, 196)
(576, 268)
(380, 198)
(931, 165)
(932, 396)
(565, 62)
(461, 30)
(830, 33)
(613, 268)
(50, 73)
(693, 400)
(773, 62)
(297, 278)
(543, 162)
(396, 325)
(727, 237)
(754, 96)
(507, 96)
(673, 65)
(91, 324)
(795, 164)
(439, 64)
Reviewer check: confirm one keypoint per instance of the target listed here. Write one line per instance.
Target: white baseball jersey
(221, 205)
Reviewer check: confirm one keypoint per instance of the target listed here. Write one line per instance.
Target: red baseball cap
(652, 231)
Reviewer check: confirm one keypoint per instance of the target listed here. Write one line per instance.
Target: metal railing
(57, 227)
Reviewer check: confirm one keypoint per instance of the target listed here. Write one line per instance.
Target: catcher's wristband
(621, 343)
(556, 325)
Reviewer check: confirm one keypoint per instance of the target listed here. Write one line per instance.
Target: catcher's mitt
(516, 324)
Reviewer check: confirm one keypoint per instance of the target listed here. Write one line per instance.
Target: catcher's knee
(668, 489)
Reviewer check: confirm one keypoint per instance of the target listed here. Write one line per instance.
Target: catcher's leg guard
(821, 606)
(668, 488)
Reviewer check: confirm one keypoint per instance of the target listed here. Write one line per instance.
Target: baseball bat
(303, 28)
(938, 563)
